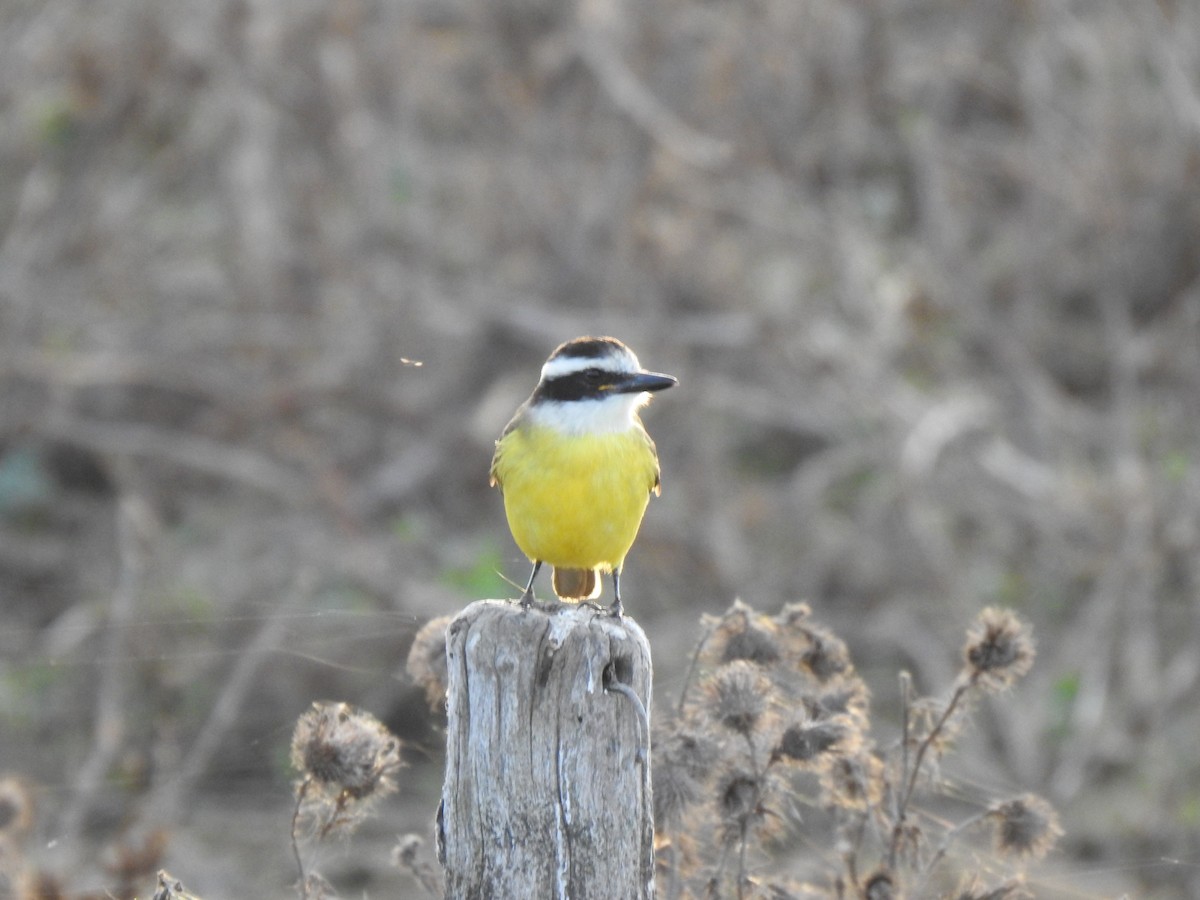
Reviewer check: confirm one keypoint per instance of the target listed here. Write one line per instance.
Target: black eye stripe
(573, 385)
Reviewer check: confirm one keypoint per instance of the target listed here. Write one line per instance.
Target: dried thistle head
(793, 615)
(675, 792)
(426, 663)
(999, 649)
(16, 807)
(1024, 827)
(813, 648)
(880, 886)
(737, 795)
(742, 634)
(405, 852)
(345, 751)
(744, 798)
(827, 655)
(170, 888)
(737, 696)
(690, 746)
(682, 761)
(841, 697)
(753, 644)
(747, 802)
(804, 742)
(406, 856)
(852, 782)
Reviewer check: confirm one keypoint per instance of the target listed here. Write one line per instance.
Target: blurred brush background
(928, 272)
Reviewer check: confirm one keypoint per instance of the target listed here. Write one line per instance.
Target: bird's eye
(593, 376)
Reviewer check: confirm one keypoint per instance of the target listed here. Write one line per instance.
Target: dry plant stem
(718, 873)
(745, 828)
(944, 846)
(170, 799)
(691, 670)
(673, 866)
(1122, 598)
(915, 772)
(850, 857)
(112, 694)
(741, 877)
(335, 818)
(300, 794)
(906, 720)
(905, 734)
(851, 863)
(424, 875)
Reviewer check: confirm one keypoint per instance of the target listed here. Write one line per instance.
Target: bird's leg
(615, 609)
(527, 597)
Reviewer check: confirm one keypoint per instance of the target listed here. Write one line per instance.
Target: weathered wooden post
(547, 790)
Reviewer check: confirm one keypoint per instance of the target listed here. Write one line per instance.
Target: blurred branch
(938, 426)
(765, 406)
(1175, 59)
(123, 368)
(134, 522)
(634, 99)
(169, 800)
(547, 320)
(397, 479)
(226, 461)
(1119, 631)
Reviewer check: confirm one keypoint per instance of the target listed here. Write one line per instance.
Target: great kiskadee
(576, 466)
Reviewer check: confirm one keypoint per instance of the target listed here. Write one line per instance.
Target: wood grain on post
(547, 790)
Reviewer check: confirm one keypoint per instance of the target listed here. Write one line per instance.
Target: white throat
(601, 415)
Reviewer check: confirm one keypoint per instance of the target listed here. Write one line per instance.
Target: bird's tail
(576, 584)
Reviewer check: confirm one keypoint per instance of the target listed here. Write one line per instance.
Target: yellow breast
(575, 501)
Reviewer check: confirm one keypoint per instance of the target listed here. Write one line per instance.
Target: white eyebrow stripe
(568, 365)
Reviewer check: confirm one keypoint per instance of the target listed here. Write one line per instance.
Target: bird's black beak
(637, 382)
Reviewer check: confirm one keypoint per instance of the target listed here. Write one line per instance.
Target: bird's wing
(494, 472)
(656, 487)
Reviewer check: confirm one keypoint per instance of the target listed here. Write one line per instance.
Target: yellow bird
(576, 466)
